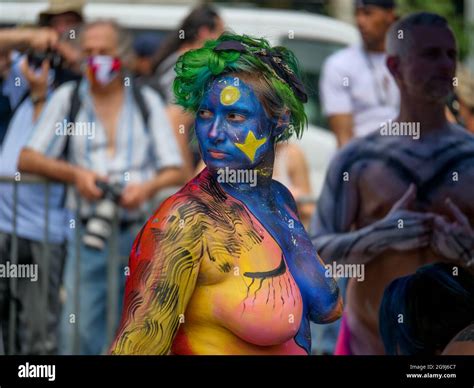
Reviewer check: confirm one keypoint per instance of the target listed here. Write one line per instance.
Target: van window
(138, 31)
(311, 55)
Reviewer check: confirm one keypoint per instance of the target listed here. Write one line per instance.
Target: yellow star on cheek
(250, 146)
(230, 95)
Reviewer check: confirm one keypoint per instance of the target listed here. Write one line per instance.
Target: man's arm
(34, 162)
(454, 241)
(336, 99)
(164, 265)
(333, 232)
(136, 194)
(341, 125)
(38, 83)
(167, 177)
(21, 38)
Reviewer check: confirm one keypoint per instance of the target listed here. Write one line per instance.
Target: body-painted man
(224, 266)
(396, 202)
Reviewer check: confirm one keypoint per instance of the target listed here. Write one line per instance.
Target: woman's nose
(216, 133)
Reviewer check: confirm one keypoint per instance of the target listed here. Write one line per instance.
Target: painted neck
(255, 181)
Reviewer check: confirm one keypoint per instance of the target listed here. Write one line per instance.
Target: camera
(36, 58)
(99, 226)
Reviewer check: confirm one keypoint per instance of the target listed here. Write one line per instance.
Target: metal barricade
(113, 285)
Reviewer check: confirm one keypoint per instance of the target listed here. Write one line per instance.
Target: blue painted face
(232, 126)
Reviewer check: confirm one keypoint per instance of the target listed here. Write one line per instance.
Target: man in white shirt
(358, 92)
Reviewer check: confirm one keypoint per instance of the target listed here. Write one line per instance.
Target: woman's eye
(205, 114)
(235, 117)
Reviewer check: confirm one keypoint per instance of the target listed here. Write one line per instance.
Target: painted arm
(164, 265)
(454, 241)
(322, 292)
(332, 229)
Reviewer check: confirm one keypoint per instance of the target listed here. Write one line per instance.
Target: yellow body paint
(250, 146)
(230, 95)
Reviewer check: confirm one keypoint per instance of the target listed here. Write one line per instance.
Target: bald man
(401, 197)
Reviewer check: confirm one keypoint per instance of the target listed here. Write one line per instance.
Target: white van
(311, 37)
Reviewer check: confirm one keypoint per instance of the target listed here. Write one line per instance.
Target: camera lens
(99, 226)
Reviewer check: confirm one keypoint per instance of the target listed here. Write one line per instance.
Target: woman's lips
(217, 154)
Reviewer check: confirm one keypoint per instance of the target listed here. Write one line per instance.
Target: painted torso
(251, 299)
(245, 301)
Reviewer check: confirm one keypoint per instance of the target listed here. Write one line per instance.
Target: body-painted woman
(224, 266)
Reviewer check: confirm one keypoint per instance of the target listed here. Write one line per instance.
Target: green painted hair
(197, 69)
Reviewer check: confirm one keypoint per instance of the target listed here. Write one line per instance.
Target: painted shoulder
(191, 201)
(174, 218)
(285, 194)
(354, 151)
(464, 135)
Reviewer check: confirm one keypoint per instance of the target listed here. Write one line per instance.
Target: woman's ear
(281, 123)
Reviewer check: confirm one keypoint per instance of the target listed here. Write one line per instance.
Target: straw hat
(58, 7)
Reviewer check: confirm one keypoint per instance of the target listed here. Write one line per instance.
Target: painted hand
(403, 229)
(454, 241)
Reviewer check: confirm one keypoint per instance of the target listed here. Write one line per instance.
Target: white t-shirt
(357, 82)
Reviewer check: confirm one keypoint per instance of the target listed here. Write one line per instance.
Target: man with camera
(120, 151)
(48, 51)
(34, 62)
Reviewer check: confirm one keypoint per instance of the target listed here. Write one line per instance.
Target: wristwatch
(37, 99)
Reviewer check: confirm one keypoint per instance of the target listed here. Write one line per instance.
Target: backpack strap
(75, 102)
(142, 106)
(74, 106)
